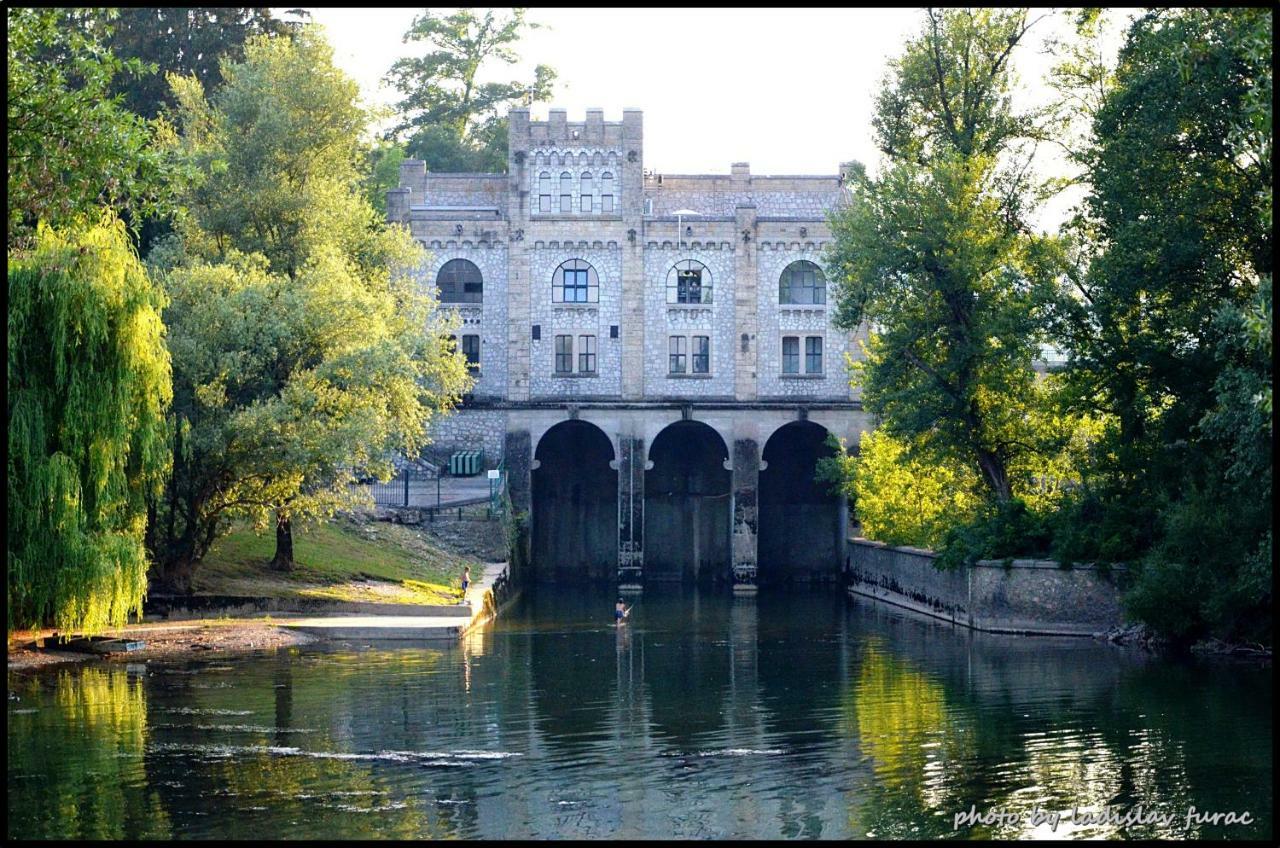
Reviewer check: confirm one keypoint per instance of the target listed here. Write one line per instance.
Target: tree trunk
(996, 475)
(171, 577)
(283, 560)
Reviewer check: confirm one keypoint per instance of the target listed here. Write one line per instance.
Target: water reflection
(798, 715)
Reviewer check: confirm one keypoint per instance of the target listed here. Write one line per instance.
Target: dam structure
(656, 364)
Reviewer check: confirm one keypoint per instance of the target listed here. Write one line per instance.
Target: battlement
(558, 130)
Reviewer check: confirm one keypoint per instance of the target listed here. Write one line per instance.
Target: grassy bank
(341, 560)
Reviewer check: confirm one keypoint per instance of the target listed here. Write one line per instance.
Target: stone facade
(578, 204)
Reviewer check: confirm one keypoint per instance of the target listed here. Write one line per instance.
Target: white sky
(790, 91)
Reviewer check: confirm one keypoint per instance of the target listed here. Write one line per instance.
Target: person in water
(620, 611)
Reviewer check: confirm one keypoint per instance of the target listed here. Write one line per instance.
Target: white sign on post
(494, 474)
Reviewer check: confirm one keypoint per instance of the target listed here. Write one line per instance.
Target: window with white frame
(575, 282)
(677, 354)
(566, 193)
(701, 359)
(813, 354)
(689, 282)
(586, 354)
(802, 283)
(790, 354)
(606, 192)
(564, 354)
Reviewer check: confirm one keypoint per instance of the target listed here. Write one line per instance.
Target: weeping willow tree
(89, 387)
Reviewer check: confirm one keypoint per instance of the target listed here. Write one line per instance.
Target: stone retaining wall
(1023, 596)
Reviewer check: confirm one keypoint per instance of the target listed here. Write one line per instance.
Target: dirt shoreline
(163, 640)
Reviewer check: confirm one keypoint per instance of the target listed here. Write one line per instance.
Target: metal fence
(411, 487)
(428, 488)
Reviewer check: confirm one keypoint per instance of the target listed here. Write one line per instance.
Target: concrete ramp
(481, 606)
(382, 627)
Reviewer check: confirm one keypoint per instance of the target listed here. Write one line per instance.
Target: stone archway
(687, 506)
(574, 503)
(801, 524)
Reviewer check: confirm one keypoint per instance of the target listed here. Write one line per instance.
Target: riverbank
(190, 638)
(352, 557)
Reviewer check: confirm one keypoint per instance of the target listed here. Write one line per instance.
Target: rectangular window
(566, 204)
(471, 350)
(575, 285)
(586, 204)
(689, 286)
(790, 354)
(587, 354)
(702, 354)
(544, 203)
(606, 203)
(813, 355)
(678, 352)
(564, 354)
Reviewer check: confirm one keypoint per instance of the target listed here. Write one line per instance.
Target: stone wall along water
(1021, 596)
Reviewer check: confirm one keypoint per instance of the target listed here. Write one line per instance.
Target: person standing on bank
(466, 581)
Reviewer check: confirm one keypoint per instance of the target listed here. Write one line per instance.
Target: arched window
(606, 192)
(597, 159)
(689, 282)
(544, 192)
(566, 182)
(582, 159)
(585, 204)
(802, 283)
(459, 281)
(575, 282)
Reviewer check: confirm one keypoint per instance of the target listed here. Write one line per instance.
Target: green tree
(1177, 270)
(936, 252)
(902, 497)
(72, 147)
(89, 385)
(383, 163)
(448, 117)
(187, 41)
(304, 347)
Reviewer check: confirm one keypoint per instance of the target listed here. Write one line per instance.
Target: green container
(466, 463)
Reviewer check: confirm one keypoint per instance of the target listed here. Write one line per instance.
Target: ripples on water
(706, 716)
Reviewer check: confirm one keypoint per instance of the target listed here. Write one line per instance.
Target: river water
(798, 715)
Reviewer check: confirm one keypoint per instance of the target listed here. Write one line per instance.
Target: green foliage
(383, 163)
(88, 389)
(72, 147)
(1170, 325)
(304, 347)
(1003, 531)
(278, 152)
(447, 117)
(935, 251)
(901, 496)
(188, 41)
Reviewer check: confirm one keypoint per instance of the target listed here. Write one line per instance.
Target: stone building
(656, 364)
